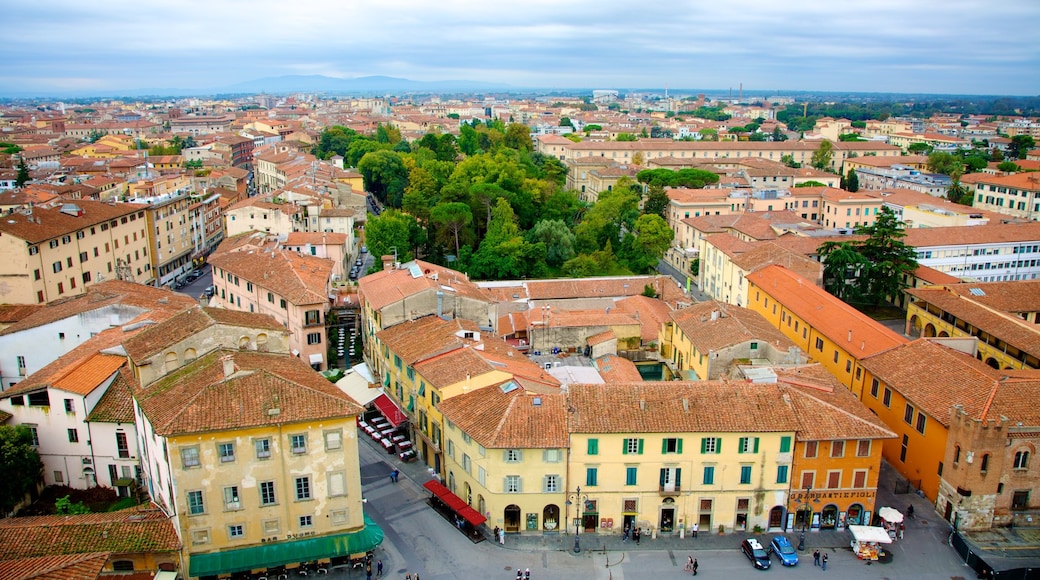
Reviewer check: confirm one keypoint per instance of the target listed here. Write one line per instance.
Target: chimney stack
(388, 262)
(229, 365)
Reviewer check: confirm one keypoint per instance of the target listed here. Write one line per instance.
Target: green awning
(289, 552)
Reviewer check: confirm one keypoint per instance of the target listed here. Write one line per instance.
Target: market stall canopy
(870, 534)
(890, 514)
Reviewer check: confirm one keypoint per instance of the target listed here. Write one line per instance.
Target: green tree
(919, 148)
(452, 218)
(1020, 146)
(656, 202)
(811, 183)
(566, 122)
(708, 134)
(615, 210)
(23, 172)
(558, 239)
(844, 272)
(778, 135)
(824, 155)
(64, 506)
(626, 137)
(385, 176)
(891, 260)
(852, 181)
(518, 137)
(1008, 167)
(789, 161)
(20, 463)
(850, 137)
(387, 133)
(946, 163)
(647, 242)
(392, 232)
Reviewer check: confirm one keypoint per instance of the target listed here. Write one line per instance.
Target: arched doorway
(776, 518)
(929, 330)
(854, 517)
(451, 481)
(468, 491)
(943, 334)
(511, 518)
(803, 517)
(829, 517)
(993, 362)
(551, 518)
(482, 506)
(915, 326)
(89, 477)
(666, 522)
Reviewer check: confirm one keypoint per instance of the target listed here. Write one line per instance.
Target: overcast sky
(927, 46)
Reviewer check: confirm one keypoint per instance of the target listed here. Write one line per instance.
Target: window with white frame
(236, 531)
(465, 462)
(263, 448)
(512, 484)
(231, 499)
(226, 452)
(512, 456)
(190, 457)
(298, 443)
(551, 484)
(196, 505)
(333, 440)
(303, 488)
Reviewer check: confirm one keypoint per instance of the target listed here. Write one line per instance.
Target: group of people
(818, 559)
(636, 533)
(525, 575)
(692, 565)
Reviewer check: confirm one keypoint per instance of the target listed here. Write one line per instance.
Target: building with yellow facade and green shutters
(252, 452)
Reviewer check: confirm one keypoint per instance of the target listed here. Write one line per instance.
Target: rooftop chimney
(229, 365)
(388, 262)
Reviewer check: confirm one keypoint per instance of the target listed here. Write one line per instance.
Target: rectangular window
(267, 493)
(859, 479)
(920, 422)
(908, 414)
(819, 344)
(593, 447)
(833, 479)
(314, 338)
(512, 456)
(633, 446)
(837, 449)
(709, 475)
(73, 436)
(263, 448)
(236, 531)
(303, 488)
(671, 445)
(745, 474)
(810, 449)
(808, 478)
(781, 473)
(630, 475)
(874, 388)
(189, 457)
(886, 399)
(195, 503)
(552, 456)
(337, 484)
(306, 521)
(482, 476)
(711, 445)
(298, 444)
(591, 476)
(465, 462)
(551, 484)
(333, 440)
(512, 484)
(748, 445)
(226, 452)
(313, 317)
(231, 499)
(863, 448)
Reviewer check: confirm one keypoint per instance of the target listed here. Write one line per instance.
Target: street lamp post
(578, 499)
(805, 520)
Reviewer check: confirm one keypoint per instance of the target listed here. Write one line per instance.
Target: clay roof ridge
(989, 399)
(843, 411)
(166, 426)
(500, 426)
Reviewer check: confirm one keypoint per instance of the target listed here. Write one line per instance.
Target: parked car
(209, 291)
(364, 249)
(781, 546)
(754, 552)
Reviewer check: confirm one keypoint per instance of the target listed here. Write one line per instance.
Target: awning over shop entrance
(289, 552)
(455, 503)
(390, 410)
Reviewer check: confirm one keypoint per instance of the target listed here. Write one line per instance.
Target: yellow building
(57, 251)
(727, 260)
(829, 331)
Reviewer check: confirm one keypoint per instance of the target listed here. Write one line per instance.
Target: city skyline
(962, 47)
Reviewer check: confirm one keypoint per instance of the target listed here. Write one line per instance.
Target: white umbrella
(890, 514)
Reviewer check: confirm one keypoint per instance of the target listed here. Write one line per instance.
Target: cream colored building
(171, 234)
(261, 215)
(56, 251)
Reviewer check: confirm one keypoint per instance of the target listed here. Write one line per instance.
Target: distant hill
(359, 85)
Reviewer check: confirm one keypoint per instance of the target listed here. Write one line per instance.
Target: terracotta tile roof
(1012, 297)
(589, 287)
(857, 333)
(601, 337)
(153, 303)
(453, 367)
(1007, 327)
(510, 420)
(753, 226)
(1027, 181)
(933, 276)
(64, 567)
(416, 339)
(88, 375)
(650, 312)
(589, 318)
(117, 404)
(950, 378)
(133, 531)
(252, 240)
(969, 235)
(678, 406)
(732, 326)
(47, 223)
(522, 368)
(386, 287)
(190, 322)
(616, 369)
(762, 254)
(301, 279)
(824, 407)
(198, 397)
(315, 238)
(4, 416)
(11, 313)
(728, 244)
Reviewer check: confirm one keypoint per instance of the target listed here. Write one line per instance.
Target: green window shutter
(741, 444)
(785, 444)
(678, 477)
(756, 444)
(679, 447)
(718, 445)
(704, 444)
(663, 474)
(664, 445)
(781, 474)
(709, 475)
(593, 447)
(624, 446)
(640, 446)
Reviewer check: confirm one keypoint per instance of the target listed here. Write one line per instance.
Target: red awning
(455, 503)
(390, 410)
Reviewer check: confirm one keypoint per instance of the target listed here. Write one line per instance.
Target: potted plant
(722, 529)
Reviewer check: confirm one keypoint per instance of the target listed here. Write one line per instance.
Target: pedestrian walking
(502, 537)
(696, 526)
(636, 534)
(689, 564)
(393, 475)
(816, 558)
(407, 577)
(624, 537)
(910, 511)
(494, 534)
(824, 562)
(527, 574)
(415, 576)
(519, 574)
(695, 566)
(379, 568)
(368, 573)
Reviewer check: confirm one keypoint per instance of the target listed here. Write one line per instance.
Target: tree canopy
(20, 463)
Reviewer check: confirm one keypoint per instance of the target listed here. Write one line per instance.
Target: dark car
(756, 553)
(781, 546)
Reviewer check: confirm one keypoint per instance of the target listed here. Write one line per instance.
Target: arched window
(956, 454)
(243, 343)
(1021, 460)
(171, 361)
(189, 354)
(985, 463)
(261, 342)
